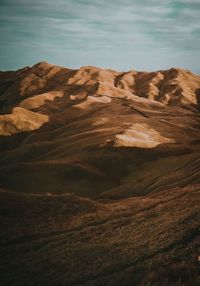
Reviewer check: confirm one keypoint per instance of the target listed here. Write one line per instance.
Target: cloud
(115, 33)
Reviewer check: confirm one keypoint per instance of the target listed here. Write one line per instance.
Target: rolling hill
(99, 177)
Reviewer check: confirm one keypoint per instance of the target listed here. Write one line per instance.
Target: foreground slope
(99, 177)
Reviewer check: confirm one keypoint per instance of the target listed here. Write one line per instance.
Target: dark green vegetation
(107, 191)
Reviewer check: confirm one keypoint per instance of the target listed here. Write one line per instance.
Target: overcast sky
(118, 34)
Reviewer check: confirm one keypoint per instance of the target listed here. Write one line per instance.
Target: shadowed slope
(65, 240)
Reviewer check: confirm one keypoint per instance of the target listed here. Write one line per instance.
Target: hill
(99, 177)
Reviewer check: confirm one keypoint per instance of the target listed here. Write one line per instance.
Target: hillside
(99, 177)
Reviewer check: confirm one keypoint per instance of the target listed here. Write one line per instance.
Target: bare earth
(99, 177)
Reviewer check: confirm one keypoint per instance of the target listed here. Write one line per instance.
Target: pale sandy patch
(142, 136)
(40, 99)
(92, 100)
(21, 120)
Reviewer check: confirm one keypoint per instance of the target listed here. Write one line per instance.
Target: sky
(118, 34)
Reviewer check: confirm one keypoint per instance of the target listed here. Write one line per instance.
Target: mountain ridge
(99, 177)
